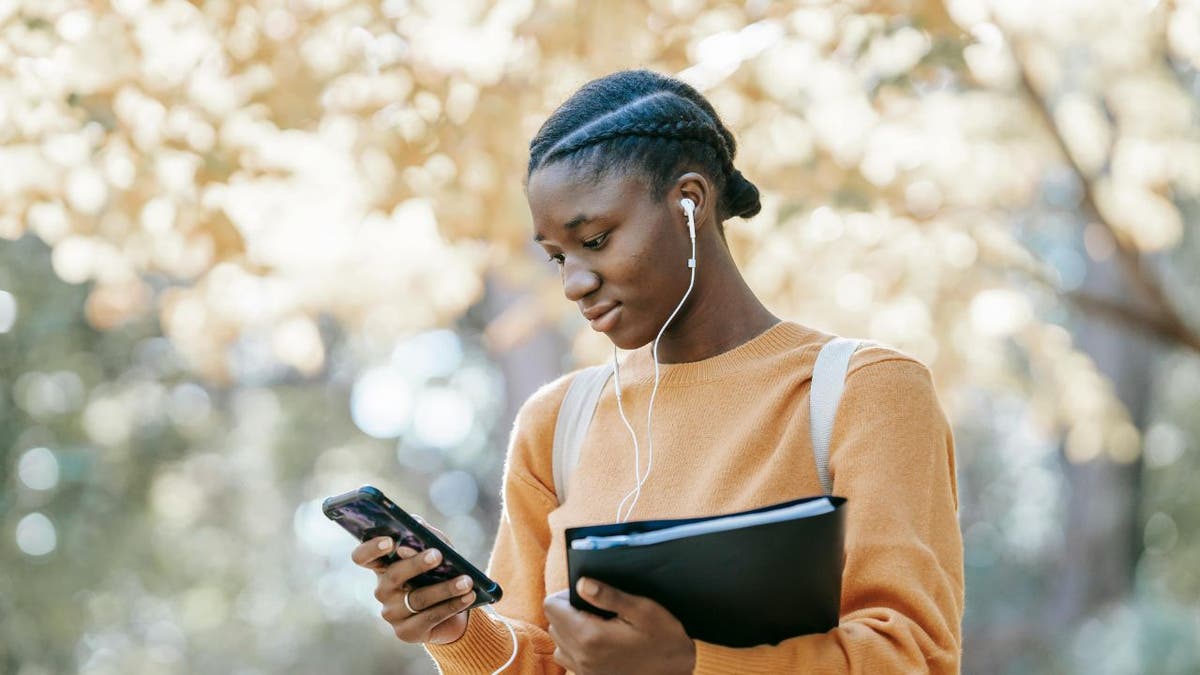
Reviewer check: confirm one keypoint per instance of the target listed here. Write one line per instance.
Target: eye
(556, 258)
(596, 243)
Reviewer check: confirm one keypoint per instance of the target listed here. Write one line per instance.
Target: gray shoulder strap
(574, 418)
(828, 380)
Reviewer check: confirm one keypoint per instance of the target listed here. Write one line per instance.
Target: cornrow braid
(655, 125)
(677, 130)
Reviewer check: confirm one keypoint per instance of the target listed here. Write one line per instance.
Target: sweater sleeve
(892, 457)
(519, 557)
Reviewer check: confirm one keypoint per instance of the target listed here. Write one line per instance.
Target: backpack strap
(574, 418)
(828, 381)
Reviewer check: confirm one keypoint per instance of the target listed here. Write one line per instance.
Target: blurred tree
(1129, 195)
(284, 189)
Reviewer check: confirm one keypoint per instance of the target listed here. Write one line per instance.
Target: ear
(696, 187)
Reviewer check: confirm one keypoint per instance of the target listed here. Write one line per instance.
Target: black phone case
(367, 513)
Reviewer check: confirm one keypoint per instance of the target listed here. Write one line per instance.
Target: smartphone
(366, 513)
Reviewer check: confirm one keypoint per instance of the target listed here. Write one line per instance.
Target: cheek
(636, 272)
(621, 262)
(646, 267)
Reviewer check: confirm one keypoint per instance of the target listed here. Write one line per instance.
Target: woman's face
(622, 253)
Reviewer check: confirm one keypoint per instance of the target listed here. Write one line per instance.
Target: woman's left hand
(643, 637)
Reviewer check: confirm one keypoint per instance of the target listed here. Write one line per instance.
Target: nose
(578, 280)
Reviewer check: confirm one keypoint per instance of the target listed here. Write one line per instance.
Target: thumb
(438, 533)
(606, 597)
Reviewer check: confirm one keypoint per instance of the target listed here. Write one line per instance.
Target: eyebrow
(570, 225)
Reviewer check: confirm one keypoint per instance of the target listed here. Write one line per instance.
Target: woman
(608, 173)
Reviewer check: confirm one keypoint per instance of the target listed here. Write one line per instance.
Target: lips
(603, 317)
(597, 311)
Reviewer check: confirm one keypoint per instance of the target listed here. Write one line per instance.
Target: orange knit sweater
(732, 433)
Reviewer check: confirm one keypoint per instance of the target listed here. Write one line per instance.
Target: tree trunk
(524, 366)
(1102, 533)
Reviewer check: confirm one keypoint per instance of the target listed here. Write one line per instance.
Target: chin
(628, 340)
(629, 345)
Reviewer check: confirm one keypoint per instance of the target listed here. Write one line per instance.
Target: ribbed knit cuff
(483, 647)
(716, 660)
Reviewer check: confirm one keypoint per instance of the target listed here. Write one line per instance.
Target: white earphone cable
(637, 458)
(640, 478)
(512, 633)
(637, 463)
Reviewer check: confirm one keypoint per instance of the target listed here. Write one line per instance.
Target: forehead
(560, 193)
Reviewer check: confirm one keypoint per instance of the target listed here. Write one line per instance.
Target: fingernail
(462, 583)
(405, 552)
(588, 587)
(431, 556)
(385, 544)
(467, 599)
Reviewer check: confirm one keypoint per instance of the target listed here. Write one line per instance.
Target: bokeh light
(36, 535)
(8, 311)
(317, 533)
(442, 417)
(255, 253)
(999, 312)
(432, 354)
(454, 493)
(189, 406)
(382, 401)
(38, 469)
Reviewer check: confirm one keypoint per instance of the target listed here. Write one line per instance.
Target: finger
(560, 641)
(440, 535)
(606, 597)
(402, 571)
(566, 621)
(564, 660)
(395, 610)
(417, 627)
(395, 577)
(428, 596)
(370, 551)
(557, 607)
(440, 640)
(562, 649)
(417, 517)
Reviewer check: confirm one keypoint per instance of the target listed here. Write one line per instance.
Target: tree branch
(1164, 321)
(1151, 324)
(1154, 325)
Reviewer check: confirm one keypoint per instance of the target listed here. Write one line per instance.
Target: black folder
(742, 587)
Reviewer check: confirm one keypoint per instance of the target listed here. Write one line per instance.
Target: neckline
(637, 367)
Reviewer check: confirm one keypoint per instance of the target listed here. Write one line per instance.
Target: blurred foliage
(237, 226)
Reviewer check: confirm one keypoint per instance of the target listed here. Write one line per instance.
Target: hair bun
(741, 196)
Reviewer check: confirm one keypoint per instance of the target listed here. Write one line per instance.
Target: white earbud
(689, 207)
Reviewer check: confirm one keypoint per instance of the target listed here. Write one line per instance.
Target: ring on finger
(408, 606)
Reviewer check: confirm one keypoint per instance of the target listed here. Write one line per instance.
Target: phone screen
(367, 519)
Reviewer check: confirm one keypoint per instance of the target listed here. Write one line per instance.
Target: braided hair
(654, 125)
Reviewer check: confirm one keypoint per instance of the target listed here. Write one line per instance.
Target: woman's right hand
(439, 616)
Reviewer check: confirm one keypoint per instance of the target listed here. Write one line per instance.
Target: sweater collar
(637, 367)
